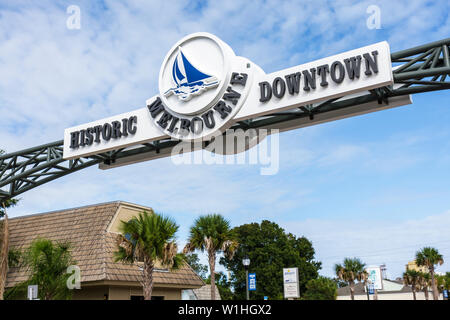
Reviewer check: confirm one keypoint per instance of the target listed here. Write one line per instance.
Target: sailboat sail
(188, 79)
(178, 77)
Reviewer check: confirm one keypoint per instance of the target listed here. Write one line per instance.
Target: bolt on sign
(252, 282)
(204, 88)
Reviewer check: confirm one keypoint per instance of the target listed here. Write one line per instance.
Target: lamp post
(246, 263)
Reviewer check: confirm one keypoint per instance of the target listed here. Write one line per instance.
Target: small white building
(392, 290)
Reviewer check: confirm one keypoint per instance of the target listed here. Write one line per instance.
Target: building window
(141, 298)
(188, 294)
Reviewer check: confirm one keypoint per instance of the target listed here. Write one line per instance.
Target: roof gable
(86, 228)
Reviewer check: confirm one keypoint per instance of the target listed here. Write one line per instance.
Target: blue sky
(373, 186)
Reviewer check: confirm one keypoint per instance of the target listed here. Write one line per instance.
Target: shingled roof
(86, 228)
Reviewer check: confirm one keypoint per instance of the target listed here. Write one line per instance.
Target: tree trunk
(352, 290)
(212, 267)
(147, 285)
(433, 285)
(4, 254)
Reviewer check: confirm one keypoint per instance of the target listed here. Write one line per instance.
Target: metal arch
(26, 169)
(420, 69)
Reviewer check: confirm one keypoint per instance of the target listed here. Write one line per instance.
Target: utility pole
(246, 283)
(246, 263)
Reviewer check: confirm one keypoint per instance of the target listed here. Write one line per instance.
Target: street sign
(374, 273)
(252, 282)
(291, 286)
(290, 275)
(371, 288)
(32, 292)
(291, 290)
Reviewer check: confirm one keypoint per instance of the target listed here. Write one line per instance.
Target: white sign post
(291, 285)
(32, 292)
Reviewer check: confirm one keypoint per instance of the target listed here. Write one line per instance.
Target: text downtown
(336, 72)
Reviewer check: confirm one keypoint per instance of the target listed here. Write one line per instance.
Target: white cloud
(53, 78)
(375, 241)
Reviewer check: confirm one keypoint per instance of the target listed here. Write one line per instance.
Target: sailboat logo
(188, 79)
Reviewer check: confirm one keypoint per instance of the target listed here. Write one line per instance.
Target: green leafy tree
(270, 249)
(447, 281)
(5, 204)
(340, 283)
(148, 238)
(321, 288)
(194, 262)
(430, 257)
(223, 285)
(47, 264)
(212, 233)
(412, 278)
(440, 283)
(350, 271)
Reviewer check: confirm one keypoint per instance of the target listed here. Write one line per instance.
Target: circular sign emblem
(201, 84)
(194, 73)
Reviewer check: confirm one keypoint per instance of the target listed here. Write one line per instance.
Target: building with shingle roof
(204, 293)
(92, 233)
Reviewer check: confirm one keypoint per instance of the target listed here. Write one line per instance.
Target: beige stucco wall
(125, 293)
(167, 293)
(125, 213)
(413, 266)
(122, 293)
(90, 293)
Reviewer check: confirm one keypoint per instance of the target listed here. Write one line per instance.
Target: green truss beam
(421, 69)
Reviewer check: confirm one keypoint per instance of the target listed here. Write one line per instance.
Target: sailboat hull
(185, 91)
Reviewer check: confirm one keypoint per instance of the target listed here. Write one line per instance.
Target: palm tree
(429, 257)
(424, 283)
(47, 263)
(440, 283)
(352, 270)
(447, 281)
(212, 233)
(148, 238)
(412, 278)
(4, 241)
